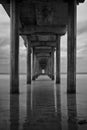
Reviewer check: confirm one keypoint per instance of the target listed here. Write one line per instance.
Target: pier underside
(42, 24)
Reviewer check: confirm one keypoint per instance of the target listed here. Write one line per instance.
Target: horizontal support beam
(19, 1)
(46, 56)
(43, 55)
(42, 48)
(60, 30)
(42, 43)
(42, 51)
(78, 1)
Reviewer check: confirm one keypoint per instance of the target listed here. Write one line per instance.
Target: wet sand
(43, 105)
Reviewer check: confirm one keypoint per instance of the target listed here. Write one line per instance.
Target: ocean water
(43, 105)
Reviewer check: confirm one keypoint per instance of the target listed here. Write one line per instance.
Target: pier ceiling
(42, 20)
(20, 1)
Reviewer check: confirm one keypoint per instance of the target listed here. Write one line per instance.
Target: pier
(42, 24)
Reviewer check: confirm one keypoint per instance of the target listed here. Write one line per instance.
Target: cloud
(82, 28)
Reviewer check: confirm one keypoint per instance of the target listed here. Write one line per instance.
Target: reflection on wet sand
(14, 112)
(46, 108)
(72, 112)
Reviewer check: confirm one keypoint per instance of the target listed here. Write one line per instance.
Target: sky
(81, 43)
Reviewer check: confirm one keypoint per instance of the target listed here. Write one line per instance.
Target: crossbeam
(43, 51)
(60, 30)
(43, 55)
(42, 43)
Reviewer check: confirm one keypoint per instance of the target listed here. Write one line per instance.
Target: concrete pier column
(37, 67)
(50, 68)
(28, 63)
(52, 62)
(14, 48)
(34, 65)
(71, 48)
(58, 59)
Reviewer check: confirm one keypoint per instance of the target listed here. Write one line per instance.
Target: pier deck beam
(14, 49)
(71, 51)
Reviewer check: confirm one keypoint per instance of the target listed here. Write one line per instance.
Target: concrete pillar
(47, 67)
(28, 63)
(58, 60)
(52, 62)
(50, 68)
(32, 63)
(37, 67)
(71, 51)
(14, 50)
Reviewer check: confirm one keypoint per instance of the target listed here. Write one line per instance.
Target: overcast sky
(81, 42)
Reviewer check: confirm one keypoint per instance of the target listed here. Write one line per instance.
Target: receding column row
(71, 51)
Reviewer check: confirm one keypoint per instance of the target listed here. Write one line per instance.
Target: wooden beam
(60, 30)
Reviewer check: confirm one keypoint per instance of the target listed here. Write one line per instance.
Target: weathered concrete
(52, 62)
(28, 63)
(14, 36)
(58, 60)
(71, 51)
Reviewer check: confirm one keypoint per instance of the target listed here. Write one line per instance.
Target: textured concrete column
(47, 67)
(14, 50)
(50, 70)
(28, 63)
(71, 51)
(52, 62)
(58, 60)
(38, 69)
(33, 64)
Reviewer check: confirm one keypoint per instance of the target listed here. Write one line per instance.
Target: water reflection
(43, 108)
(29, 109)
(72, 112)
(14, 112)
(57, 101)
